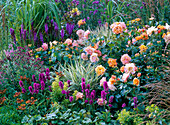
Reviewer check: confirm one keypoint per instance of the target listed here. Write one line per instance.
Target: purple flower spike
(88, 86)
(35, 85)
(31, 90)
(67, 94)
(41, 37)
(83, 80)
(105, 86)
(63, 91)
(47, 70)
(33, 78)
(21, 84)
(24, 35)
(42, 88)
(91, 102)
(55, 26)
(103, 94)
(123, 105)
(71, 98)
(83, 86)
(68, 82)
(23, 90)
(135, 99)
(61, 84)
(50, 89)
(87, 93)
(111, 99)
(42, 84)
(86, 101)
(92, 95)
(110, 105)
(46, 28)
(62, 34)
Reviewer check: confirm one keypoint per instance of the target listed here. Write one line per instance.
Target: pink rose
(89, 50)
(45, 46)
(101, 101)
(84, 56)
(125, 59)
(80, 33)
(94, 57)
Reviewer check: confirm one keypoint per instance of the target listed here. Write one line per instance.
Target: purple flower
(33, 78)
(86, 101)
(13, 35)
(88, 86)
(141, 7)
(83, 86)
(41, 37)
(22, 29)
(62, 34)
(71, 98)
(135, 99)
(61, 84)
(67, 94)
(50, 88)
(47, 70)
(88, 18)
(37, 86)
(35, 36)
(42, 84)
(83, 80)
(30, 89)
(42, 88)
(34, 86)
(110, 105)
(24, 35)
(23, 90)
(52, 21)
(87, 93)
(111, 99)
(69, 28)
(91, 101)
(46, 28)
(128, 5)
(103, 94)
(105, 86)
(68, 82)
(55, 27)
(92, 96)
(63, 91)
(123, 105)
(21, 84)
(94, 92)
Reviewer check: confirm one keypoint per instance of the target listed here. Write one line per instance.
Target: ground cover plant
(84, 62)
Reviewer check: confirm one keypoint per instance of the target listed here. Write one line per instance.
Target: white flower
(102, 81)
(167, 27)
(111, 86)
(94, 57)
(152, 29)
(130, 68)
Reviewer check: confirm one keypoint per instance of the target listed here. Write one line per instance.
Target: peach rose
(112, 62)
(68, 42)
(89, 50)
(79, 95)
(101, 101)
(86, 34)
(100, 70)
(80, 33)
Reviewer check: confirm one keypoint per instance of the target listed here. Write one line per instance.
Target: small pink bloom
(133, 41)
(104, 57)
(86, 34)
(98, 52)
(125, 59)
(79, 95)
(45, 46)
(84, 56)
(101, 101)
(75, 43)
(68, 42)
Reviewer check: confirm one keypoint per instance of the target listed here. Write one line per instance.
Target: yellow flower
(36, 56)
(136, 81)
(112, 62)
(81, 22)
(143, 48)
(137, 19)
(100, 70)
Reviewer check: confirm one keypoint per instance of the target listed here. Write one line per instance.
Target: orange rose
(136, 81)
(112, 62)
